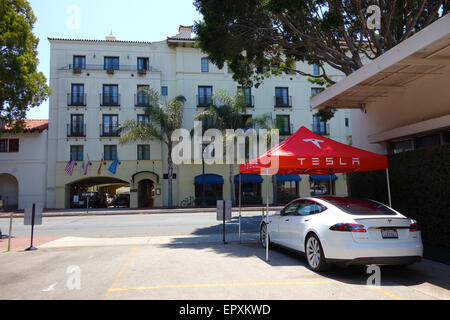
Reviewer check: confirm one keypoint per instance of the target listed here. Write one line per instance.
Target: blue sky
(134, 20)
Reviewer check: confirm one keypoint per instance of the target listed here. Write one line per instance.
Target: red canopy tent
(305, 152)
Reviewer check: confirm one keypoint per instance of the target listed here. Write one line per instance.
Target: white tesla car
(345, 231)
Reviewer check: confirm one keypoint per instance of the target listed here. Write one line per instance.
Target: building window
(205, 65)
(9, 145)
(76, 125)
(110, 95)
(143, 95)
(143, 152)
(316, 91)
(110, 125)
(79, 62)
(142, 118)
(428, 141)
(316, 69)
(3, 145)
(247, 92)
(111, 63)
(347, 122)
(204, 96)
(402, 146)
(76, 153)
(283, 124)
(110, 152)
(77, 95)
(447, 137)
(282, 97)
(319, 126)
(164, 91)
(143, 64)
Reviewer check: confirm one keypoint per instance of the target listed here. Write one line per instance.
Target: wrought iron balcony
(76, 99)
(109, 100)
(204, 101)
(76, 130)
(109, 130)
(283, 102)
(102, 67)
(321, 128)
(141, 100)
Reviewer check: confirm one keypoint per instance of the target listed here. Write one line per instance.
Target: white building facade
(95, 87)
(23, 166)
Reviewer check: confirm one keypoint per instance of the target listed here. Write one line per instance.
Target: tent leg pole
(331, 186)
(267, 220)
(388, 187)
(239, 207)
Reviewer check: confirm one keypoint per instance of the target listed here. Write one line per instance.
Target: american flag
(69, 167)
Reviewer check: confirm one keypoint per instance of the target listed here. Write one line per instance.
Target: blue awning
(323, 177)
(209, 179)
(287, 177)
(248, 178)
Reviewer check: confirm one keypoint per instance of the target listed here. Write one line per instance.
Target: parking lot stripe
(215, 285)
(386, 293)
(121, 271)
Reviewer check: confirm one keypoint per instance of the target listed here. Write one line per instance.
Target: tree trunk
(170, 174)
(232, 182)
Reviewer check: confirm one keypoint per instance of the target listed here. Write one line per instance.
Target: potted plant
(142, 71)
(77, 70)
(110, 71)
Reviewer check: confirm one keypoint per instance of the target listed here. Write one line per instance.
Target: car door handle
(306, 220)
(286, 220)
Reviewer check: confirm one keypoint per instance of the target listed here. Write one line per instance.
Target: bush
(420, 189)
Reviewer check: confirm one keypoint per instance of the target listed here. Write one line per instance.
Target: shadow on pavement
(424, 272)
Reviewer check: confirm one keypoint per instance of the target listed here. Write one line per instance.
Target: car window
(360, 207)
(307, 207)
(290, 209)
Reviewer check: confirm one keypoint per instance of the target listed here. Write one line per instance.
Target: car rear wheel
(314, 254)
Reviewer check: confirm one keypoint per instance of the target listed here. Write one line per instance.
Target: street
(181, 256)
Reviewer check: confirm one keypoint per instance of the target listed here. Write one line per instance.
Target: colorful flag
(99, 171)
(113, 167)
(69, 167)
(86, 166)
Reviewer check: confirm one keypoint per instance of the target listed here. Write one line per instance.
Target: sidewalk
(126, 211)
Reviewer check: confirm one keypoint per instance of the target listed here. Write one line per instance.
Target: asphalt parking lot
(192, 267)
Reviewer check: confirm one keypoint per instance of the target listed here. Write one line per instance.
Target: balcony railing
(76, 130)
(321, 128)
(102, 67)
(204, 101)
(109, 130)
(141, 100)
(76, 99)
(250, 101)
(283, 102)
(109, 100)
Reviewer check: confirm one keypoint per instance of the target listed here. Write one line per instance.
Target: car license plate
(389, 233)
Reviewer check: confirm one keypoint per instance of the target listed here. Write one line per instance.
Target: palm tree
(163, 121)
(227, 113)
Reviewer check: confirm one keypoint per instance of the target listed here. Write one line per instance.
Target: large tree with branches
(255, 36)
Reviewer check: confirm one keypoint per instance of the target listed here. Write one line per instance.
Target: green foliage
(255, 37)
(420, 188)
(21, 86)
(325, 114)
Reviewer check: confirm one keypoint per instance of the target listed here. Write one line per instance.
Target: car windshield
(360, 207)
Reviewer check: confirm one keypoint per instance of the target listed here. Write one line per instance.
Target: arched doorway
(146, 193)
(106, 192)
(9, 191)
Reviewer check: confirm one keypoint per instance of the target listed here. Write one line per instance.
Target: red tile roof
(33, 126)
(184, 34)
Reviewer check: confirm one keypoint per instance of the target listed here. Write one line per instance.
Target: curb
(133, 212)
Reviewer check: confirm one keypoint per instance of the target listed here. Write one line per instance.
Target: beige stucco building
(95, 88)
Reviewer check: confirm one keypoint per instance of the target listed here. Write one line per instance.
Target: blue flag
(113, 167)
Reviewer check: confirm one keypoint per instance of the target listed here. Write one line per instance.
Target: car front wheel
(262, 235)
(314, 254)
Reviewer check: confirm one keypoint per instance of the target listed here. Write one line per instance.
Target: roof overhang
(424, 54)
